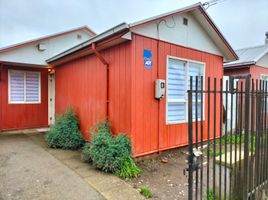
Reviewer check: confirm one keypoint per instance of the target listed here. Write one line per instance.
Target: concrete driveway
(29, 172)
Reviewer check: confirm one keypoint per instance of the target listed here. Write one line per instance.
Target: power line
(211, 3)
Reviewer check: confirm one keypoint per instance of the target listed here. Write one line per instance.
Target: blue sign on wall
(147, 58)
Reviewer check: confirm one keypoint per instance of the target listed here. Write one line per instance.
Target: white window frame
(9, 88)
(263, 75)
(186, 94)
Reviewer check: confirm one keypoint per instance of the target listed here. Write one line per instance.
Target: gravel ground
(163, 174)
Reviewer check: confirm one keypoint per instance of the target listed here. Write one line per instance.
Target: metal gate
(227, 163)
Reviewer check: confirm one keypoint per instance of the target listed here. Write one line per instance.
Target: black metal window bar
(228, 141)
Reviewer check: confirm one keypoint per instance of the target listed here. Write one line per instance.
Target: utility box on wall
(159, 88)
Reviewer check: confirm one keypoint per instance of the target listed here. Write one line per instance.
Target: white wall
(31, 55)
(173, 30)
(228, 108)
(263, 61)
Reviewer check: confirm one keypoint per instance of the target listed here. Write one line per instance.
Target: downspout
(104, 62)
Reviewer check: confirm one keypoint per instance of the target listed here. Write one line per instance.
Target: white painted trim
(261, 75)
(51, 95)
(9, 89)
(186, 82)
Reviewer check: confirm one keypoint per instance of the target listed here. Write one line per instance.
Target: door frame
(51, 98)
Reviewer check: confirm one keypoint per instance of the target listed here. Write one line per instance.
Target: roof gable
(31, 53)
(200, 16)
(15, 46)
(171, 29)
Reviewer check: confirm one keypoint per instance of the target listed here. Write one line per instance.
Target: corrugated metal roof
(249, 55)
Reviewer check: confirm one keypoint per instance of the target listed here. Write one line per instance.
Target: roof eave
(226, 65)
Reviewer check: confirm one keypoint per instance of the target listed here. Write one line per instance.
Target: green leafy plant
(128, 168)
(86, 153)
(216, 153)
(65, 133)
(146, 192)
(237, 139)
(107, 151)
(210, 196)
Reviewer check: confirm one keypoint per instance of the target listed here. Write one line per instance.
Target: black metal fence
(228, 138)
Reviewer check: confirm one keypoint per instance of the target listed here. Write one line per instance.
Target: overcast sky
(243, 22)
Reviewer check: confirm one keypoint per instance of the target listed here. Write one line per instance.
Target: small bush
(65, 133)
(86, 153)
(106, 151)
(128, 168)
(146, 192)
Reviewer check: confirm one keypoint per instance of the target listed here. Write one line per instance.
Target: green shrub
(106, 152)
(103, 127)
(145, 191)
(86, 153)
(65, 133)
(128, 168)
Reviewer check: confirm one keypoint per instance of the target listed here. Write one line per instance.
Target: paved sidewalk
(108, 185)
(28, 171)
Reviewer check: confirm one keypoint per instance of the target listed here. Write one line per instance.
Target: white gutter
(239, 64)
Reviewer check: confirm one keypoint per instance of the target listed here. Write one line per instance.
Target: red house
(252, 60)
(25, 84)
(137, 75)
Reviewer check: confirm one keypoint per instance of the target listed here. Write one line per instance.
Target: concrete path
(108, 185)
(29, 172)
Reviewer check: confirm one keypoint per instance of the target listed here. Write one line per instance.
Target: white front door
(51, 98)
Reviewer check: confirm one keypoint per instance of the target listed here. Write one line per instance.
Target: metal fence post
(246, 144)
(190, 139)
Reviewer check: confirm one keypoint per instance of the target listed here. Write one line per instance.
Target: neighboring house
(252, 60)
(113, 75)
(26, 95)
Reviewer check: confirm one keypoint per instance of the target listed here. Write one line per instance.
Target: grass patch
(237, 139)
(146, 192)
(210, 196)
(216, 153)
(128, 168)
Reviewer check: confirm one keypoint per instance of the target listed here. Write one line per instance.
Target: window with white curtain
(178, 82)
(264, 77)
(24, 87)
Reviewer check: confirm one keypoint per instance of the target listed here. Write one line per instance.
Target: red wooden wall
(133, 109)
(20, 116)
(148, 115)
(81, 84)
(228, 71)
(256, 71)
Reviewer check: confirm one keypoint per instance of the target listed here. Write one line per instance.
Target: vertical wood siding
(149, 128)
(81, 84)
(20, 116)
(133, 109)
